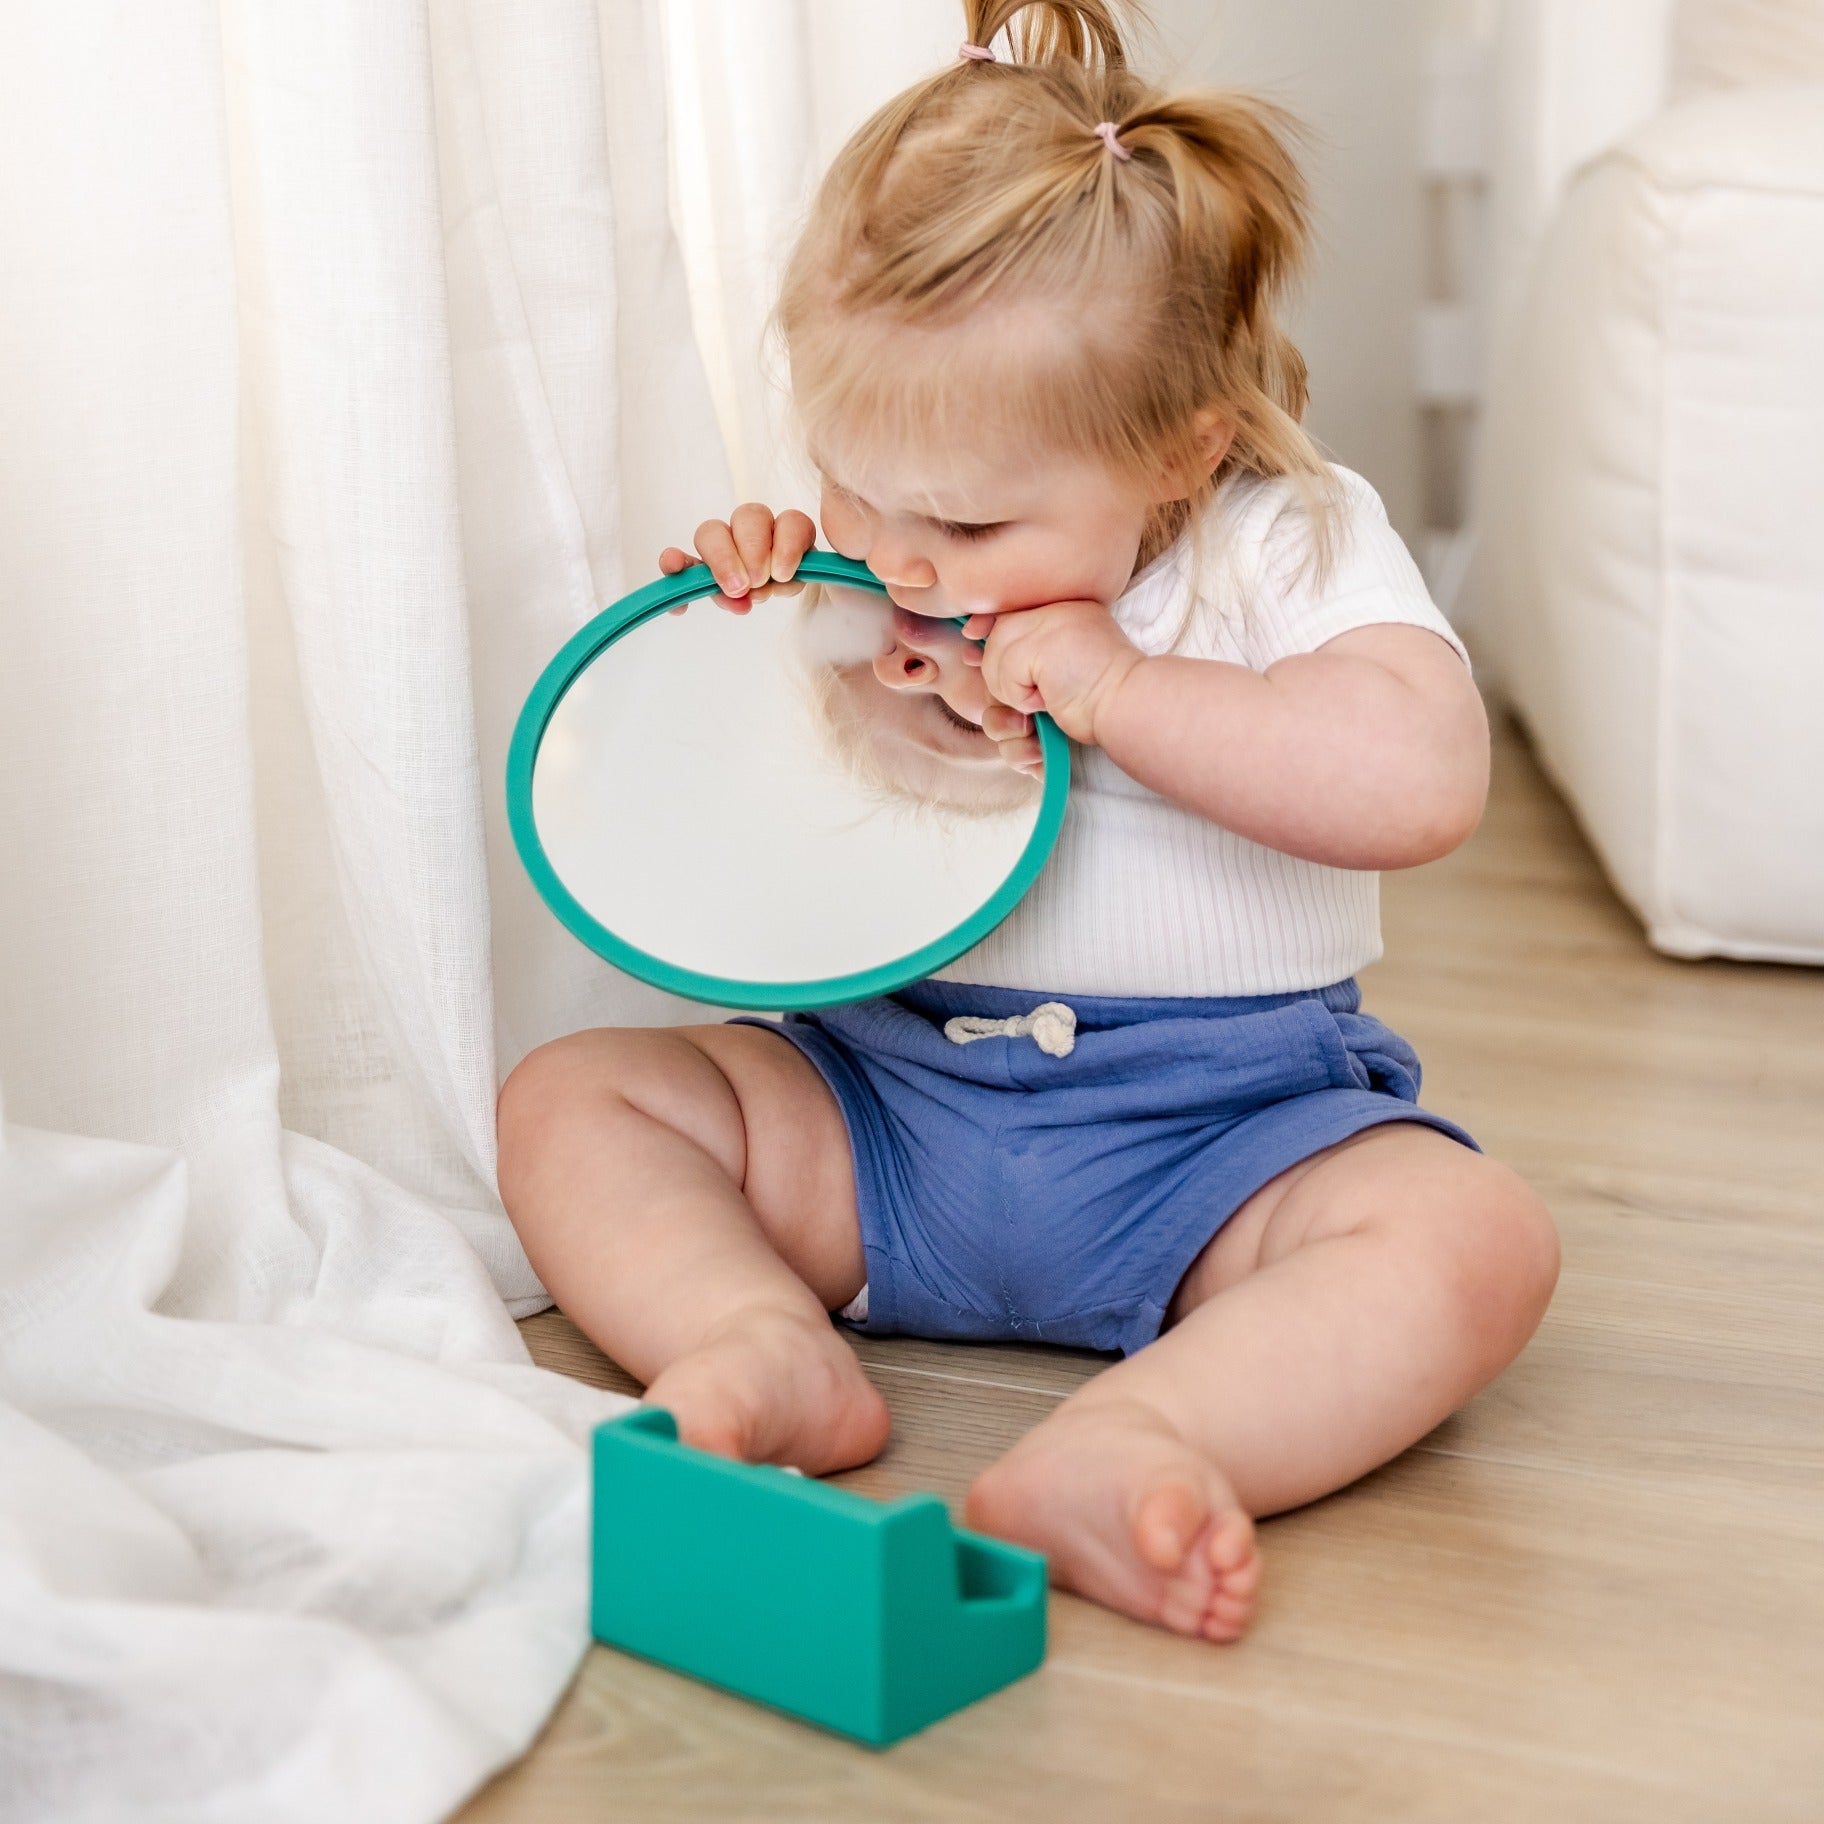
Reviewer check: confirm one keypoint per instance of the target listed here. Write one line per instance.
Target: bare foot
(1129, 1515)
(770, 1386)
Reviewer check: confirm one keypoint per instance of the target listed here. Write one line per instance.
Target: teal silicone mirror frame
(621, 618)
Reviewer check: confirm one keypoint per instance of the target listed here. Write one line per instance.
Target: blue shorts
(1008, 1194)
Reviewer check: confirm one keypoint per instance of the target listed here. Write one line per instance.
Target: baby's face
(981, 534)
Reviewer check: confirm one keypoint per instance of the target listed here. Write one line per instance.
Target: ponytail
(1053, 31)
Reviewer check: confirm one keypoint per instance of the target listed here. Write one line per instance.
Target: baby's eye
(952, 528)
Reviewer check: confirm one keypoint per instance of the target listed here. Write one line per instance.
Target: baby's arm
(752, 554)
(1371, 752)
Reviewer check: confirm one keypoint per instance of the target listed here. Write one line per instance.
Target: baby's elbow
(1440, 816)
(1436, 760)
(1454, 820)
(1452, 789)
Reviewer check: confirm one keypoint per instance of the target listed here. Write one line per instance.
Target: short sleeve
(1370, 580)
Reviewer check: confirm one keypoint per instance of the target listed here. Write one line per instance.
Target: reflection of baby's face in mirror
(926, 660)
(903, 707)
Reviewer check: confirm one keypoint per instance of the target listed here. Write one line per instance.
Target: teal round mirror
(740, 809)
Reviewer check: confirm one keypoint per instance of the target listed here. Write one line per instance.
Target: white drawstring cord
(1051, 1026)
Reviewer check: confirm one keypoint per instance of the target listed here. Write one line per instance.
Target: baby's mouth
(908, 622)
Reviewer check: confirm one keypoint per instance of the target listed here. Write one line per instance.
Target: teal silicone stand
(870, 1619)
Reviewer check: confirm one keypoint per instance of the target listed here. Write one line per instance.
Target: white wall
(1352, 72)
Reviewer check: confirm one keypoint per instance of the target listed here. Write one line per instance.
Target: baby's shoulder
(1293, 526)
(1276, 564)
(1290, 561)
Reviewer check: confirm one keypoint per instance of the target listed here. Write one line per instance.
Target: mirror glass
(765, 810)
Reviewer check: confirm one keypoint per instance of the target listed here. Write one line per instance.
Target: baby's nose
(900, 568)
(901, 668)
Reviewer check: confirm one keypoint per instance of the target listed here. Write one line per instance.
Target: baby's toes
(1234, 1561)
(1228, 1616)
(1231, 1546)
(1171, 1529)
(1167, 1522)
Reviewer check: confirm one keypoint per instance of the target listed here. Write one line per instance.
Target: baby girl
(1032, 335)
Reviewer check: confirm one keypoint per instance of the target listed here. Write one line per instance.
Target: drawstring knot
(1051, 1026)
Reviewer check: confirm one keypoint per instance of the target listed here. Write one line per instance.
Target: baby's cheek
(965, 692)
(845, 528)
(976, 584)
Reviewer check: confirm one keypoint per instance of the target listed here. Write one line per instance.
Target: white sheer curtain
(345, 366)
(762, 94)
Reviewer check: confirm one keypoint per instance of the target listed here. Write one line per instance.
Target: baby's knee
(1504, 1258)
(592, 1086)
(536, 1097)
(566, 1082)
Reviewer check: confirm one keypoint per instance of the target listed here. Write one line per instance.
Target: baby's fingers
(1024, 755)
(751, 555)
(793, 535)
(999, 723)
(1005, 685)
(715, 543)
(1013, 734)
(752, 527)
(671, 561)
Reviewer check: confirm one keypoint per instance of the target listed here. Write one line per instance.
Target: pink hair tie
(1107, 132)
(976, 53)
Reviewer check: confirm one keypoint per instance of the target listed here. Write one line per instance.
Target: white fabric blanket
(323, 1559)
(339, 343)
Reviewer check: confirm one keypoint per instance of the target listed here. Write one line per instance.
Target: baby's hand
(1067, 659)
(752, 554)
(1011, 731)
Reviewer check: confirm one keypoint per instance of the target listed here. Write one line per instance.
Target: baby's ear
(1213, 430)
(1187, 469)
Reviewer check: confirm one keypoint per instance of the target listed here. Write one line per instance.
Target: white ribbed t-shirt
(1144, 898)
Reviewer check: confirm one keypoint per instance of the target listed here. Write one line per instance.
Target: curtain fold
(345, 368)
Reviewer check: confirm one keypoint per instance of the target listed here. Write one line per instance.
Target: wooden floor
(1596, 1593)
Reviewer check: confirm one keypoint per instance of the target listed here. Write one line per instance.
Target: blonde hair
(1141, 289)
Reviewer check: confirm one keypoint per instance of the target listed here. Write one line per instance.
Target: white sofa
(1649, 581)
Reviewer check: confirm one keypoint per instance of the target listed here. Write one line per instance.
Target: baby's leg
(1340, 1314)
(688, 1198)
